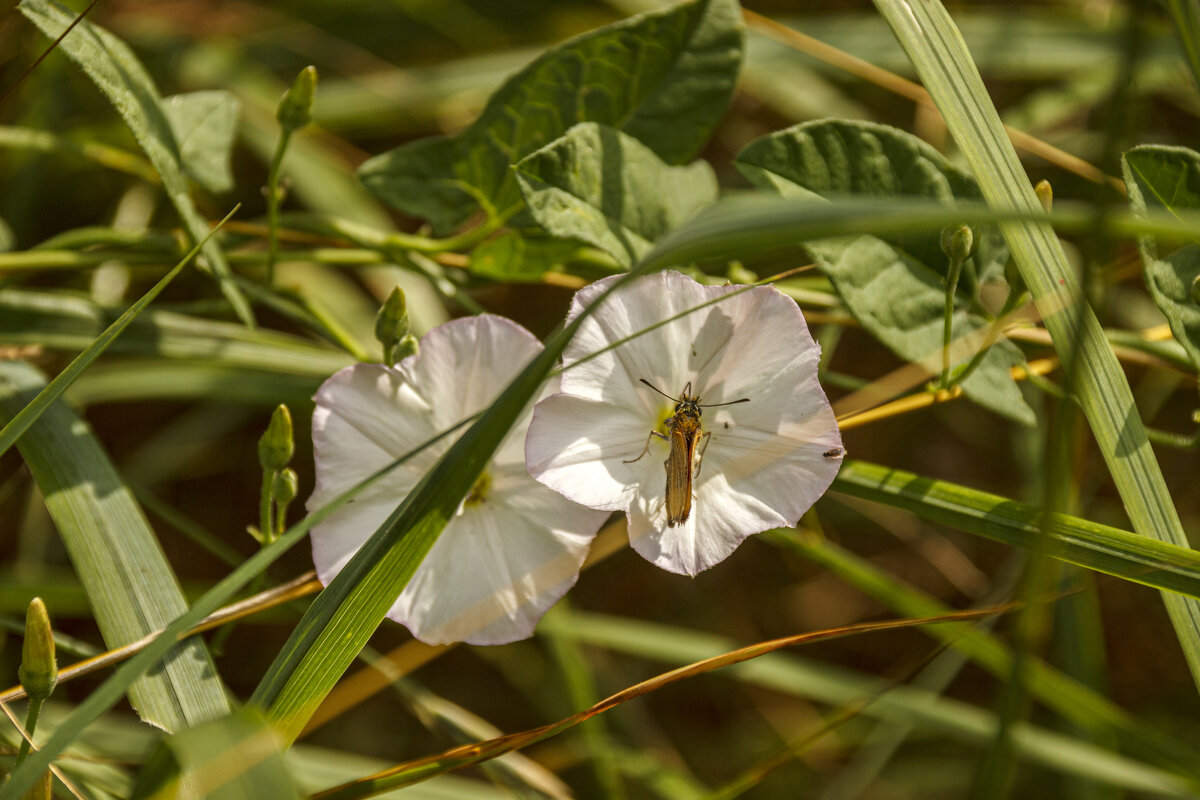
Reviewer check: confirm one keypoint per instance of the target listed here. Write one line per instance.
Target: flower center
(480, 491)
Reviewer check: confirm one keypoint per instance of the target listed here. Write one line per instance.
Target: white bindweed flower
(514, 547)
(758, 464)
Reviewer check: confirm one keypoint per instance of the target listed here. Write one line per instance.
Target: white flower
(514, 547)
(767, 460)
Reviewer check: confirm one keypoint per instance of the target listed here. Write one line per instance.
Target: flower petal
(668, 356)
(367, 415)
(503, 560)
(497, 568)
(464, 364)
(581, 448)
(764, 465)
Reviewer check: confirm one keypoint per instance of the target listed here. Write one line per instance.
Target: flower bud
(285, 486)
(275, 447)
(1045, 194)
(406, 347)
(38, 672)
(391, 325)
(957, 242)
(295, 107)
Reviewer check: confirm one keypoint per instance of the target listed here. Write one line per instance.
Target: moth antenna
(730, 403)
(655, 388)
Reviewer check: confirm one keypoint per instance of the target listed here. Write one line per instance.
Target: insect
(684, 433)
(836, 452)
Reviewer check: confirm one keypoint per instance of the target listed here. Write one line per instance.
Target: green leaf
(664, 78)
(115, 69)
(894, 285)
(606, 188)
(843, 158)
(1160, 178)
(516, 257)
(129, 584)
(205, 124)
(944, 65)
(233, 758)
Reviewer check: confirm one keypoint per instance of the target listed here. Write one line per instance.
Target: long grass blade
(942, 61)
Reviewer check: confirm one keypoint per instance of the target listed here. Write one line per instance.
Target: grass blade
(942, 61)
(21, 421)
(116, 71)
(1078, 541)
(129, 584)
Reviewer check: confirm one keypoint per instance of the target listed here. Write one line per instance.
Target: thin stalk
(31, 720)
(273, 198)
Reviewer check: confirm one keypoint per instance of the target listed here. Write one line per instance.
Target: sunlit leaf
(607, 188)
(664, 77)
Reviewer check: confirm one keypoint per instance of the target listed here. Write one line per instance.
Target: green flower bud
(1045, 194)
(406, 347)
(958, 242)
(275, 448)
(295, 107)
(285, 486)
(38, 672)
(391, 325)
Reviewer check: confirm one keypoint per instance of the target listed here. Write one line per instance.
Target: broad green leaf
(944, 65)
(119, 74)
(205, 124)
(664, 78)
(894, 285)
(1168, 179)
(606, 188)
(58, 320)
(878, 698)
(515, 256)
(842, 158)
(130, 585)
(233, 758)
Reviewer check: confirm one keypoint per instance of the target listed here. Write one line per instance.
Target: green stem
(273, 204)
(1169, 439)
(31, 720)
(1014, 298)
(266, 520)
(948, 322)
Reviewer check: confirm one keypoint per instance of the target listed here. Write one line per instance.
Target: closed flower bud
(391, 327)
(276, 446)
(38, 672)
(285, 487)
(295, 107)
(958, 242)
(1045, 194)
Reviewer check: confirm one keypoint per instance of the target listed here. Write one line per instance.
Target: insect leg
(646, 449)
(700, 456)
